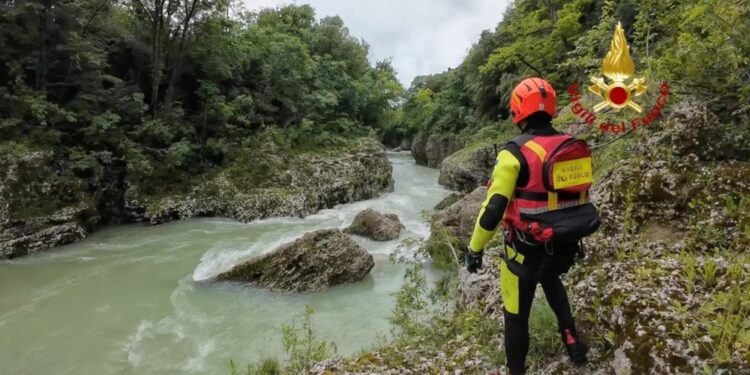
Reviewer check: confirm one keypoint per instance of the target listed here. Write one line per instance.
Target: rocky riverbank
(664, 287)
(297, 186)
(43, 205)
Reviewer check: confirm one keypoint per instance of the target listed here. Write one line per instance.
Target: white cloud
(420, 36)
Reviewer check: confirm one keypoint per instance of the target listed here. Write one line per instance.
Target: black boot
(576, 349)
(516, 371)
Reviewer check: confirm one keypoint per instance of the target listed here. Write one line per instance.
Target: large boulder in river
(317, 261)
(375, 225)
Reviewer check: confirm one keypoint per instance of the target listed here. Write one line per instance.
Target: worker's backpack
(554, 205)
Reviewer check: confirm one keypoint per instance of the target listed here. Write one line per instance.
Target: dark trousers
(518, 289)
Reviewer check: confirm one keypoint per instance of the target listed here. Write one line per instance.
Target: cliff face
(42, 205)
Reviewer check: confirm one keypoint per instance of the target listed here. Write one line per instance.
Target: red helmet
(530, 96)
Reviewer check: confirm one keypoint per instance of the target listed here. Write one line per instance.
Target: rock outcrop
(405, 144)
(40, 205)
(43, 204)
(449, 199)
(375, 225)
(19, 240)
(663, 185)
(452, 227)
(304, 185)
(431, 151)
(317, 261)
(459, 218)
(467, 169)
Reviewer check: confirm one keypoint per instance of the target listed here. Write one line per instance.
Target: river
(126, 300)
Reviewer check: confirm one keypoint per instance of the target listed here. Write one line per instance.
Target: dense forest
(699, 47)
(152, 95)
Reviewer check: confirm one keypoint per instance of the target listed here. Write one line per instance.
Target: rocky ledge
(303, 185)
(31, 220)
(42, 205)
(375, 225)
(317, 261)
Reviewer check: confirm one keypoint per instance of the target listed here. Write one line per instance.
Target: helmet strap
(522, 125)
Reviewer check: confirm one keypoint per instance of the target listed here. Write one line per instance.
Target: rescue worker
(533, 105)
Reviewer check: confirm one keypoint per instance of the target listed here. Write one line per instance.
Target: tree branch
(538, 71)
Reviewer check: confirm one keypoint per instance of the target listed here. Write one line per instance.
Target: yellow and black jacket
(511, 171)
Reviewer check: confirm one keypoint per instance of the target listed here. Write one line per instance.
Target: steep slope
(664, 288)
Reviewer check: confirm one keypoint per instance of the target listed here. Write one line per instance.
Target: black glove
(473, 260)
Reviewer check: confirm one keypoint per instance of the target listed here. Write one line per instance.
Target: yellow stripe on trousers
(509, 283)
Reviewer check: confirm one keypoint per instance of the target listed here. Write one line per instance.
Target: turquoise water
(128, 300)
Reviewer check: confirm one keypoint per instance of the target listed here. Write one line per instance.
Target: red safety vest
(560, 176)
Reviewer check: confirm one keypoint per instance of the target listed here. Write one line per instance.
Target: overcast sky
(420, 36)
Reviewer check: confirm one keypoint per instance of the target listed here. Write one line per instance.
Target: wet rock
(317, 261)
(375, 225)
(431, 151)
(18, 240)
(467, 169)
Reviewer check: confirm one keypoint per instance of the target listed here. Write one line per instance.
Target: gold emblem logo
(619, 68)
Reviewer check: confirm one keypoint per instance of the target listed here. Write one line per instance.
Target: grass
(443, 247)
(300, 344)
(543, 333)
(265, 367)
